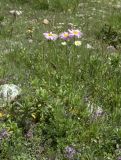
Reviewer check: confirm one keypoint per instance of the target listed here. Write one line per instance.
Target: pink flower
(50, 36)
(75, 33)
(64, 36)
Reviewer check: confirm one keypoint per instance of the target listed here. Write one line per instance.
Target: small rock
(70, 152)
(94, 110)
(9, 92)
(98, 112)
(111, 49)
(4, 134)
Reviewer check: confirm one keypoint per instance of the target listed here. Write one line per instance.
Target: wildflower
(69, 10)
(119, 158)
(89, 46)
(30, 30)
(50, 36)
(30, 40)
(33, 115)
(65, 36)
(18, 13)
(61, 23)
(70, 152)
(45, 21)
(75, 33)
(12, 11)
(64, 43)
(1, 114)
(15, 12)
(77, 43)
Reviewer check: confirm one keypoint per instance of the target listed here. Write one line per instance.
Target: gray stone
(9, 92)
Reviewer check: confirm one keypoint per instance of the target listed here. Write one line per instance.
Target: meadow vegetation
(70, 105)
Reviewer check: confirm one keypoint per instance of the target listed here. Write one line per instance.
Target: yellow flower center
(66, 35)
(75, 32)
(50, 34)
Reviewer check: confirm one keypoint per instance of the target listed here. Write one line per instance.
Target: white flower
(45, 21)
(15, 12)
(30, 40)
(12, 12)
(18, 13)
(89, 46)
(61, 23)
(77, 43)
(64, 43)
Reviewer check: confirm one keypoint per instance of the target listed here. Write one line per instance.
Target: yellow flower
(77, 43)
(1, 114)
(30, 31)
(33, 115)
(9, 130)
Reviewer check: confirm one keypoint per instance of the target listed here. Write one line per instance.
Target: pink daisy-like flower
(64, 36)
(75, 33)
(50, 36)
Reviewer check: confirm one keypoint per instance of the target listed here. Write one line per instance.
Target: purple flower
(75, 33)
(64, 36)
(70, 152)
(119, 158)
(50, 36)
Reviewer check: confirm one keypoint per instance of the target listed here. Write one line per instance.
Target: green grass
(60, 83)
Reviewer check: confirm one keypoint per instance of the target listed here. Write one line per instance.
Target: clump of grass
(110, 36)
(54, 5)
